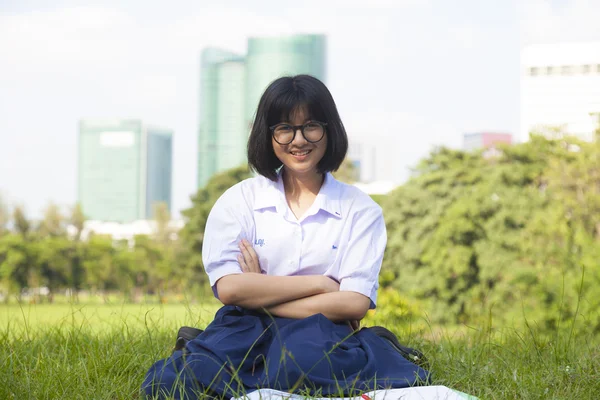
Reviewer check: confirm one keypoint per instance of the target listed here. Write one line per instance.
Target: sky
(407, 75)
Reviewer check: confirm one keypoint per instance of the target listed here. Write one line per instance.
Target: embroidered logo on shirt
(334, 247)
(259, 242)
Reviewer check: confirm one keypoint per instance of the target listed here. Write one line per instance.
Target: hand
(354, 324)
(248, 259)
(329, 285)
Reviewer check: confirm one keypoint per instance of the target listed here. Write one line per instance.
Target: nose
(299, 137)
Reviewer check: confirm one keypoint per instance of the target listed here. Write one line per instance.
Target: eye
(283, 129)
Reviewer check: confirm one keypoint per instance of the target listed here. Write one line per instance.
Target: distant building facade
(560, 87)
(231, 86)
(363, 157)
(222, 130)
(485, 140)
(124, 168)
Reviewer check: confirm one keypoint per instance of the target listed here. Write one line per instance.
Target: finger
(250, 257)
(252, 253)
(245, 254)
(242, 263)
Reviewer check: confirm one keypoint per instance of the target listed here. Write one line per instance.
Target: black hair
(282, 98)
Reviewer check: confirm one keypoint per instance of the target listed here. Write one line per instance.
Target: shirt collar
(273, 195)
(328, 198)
(269, 195)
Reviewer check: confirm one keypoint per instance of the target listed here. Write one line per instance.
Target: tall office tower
(231, 86)
(124, 168)
(274, 57)
(484, 140)
(222, 134)
(560, 87)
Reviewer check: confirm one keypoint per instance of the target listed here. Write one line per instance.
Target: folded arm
(336, 306)
(256, 291)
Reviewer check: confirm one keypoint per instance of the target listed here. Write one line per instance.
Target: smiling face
(300, 157)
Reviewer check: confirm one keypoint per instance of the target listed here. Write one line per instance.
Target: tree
(4, 215)
(54, 258)
(53, 223)
(99, 265)
(22, 224)
(77, 219)
(162, 217)
(468, 235)
(347, 173)
(192, 235)
(15, 264)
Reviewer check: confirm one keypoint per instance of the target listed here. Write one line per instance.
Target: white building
(560, 87)
(363, 155)
(124, 231)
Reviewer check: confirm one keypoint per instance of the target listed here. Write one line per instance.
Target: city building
(222, 131)
(484, 140)
(231, 85)
(560, 88)
(363, 157)
(125, 231)
(273, 57)
(124, 168)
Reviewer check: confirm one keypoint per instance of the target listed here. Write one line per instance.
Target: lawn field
(75, 351)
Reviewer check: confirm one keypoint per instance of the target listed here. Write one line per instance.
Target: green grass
(103, 351)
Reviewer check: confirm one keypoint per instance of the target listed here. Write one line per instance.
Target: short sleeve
(361, 262)
(224, 230)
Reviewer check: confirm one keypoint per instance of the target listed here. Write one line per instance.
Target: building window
(566, 70)
(534, 71)
(598, 68)
(586, 69)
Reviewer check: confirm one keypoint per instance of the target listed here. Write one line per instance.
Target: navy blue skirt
(243, 350)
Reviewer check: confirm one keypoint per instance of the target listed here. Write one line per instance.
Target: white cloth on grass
(413, 393)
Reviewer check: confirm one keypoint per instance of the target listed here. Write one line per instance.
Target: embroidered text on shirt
(259, 242)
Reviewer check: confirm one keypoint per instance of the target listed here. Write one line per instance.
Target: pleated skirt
(244, 350)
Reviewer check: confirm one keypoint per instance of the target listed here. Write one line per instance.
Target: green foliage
(53, 223)
(347, 172)
(4, 215)
(393, 310)
(22, 224)
(512, 234)
(192, 235)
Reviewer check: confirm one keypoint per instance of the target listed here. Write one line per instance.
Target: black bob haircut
(282, 98)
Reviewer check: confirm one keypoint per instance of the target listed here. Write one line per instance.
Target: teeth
(301, 153)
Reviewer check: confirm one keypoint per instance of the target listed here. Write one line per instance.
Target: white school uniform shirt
(342, 235)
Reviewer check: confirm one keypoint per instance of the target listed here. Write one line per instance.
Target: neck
(297, 185)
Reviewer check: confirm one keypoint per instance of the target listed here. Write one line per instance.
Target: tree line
(471, 235)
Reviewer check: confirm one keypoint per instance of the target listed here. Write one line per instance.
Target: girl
(294, 256)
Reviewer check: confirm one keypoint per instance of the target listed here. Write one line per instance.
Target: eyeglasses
(313, 131)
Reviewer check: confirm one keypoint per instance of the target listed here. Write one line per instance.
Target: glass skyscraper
(222, 128)
(124, 168)
(231, 86)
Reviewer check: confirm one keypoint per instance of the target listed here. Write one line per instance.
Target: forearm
(253, 291)
(336, 306)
